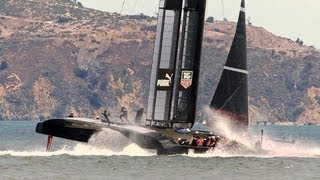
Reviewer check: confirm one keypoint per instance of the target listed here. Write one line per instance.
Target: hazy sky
(287, 18)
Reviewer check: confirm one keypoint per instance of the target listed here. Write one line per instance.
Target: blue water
(23, 156)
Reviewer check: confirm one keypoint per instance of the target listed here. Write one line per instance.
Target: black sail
(188, 64)
(176, 62)
(164, 60)
(231, 95)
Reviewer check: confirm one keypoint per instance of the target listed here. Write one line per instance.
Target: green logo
(186, 79)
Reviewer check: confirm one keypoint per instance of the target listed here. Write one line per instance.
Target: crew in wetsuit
(212, 142)
(106, 114)
(196, 140)
(258, 145)
(124, 114)
(71, 114)
(199, 141)
(207, 141)
(183, 141)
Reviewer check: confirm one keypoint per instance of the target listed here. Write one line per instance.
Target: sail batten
(235, 69)
(231, 95)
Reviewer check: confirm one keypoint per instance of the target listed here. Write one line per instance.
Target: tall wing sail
(176, 62)
(164, 59)
(231, 96)
(188, 64)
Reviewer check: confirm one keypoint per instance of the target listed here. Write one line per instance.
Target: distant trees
(299, 41)
(95, 101)
(63, 20)
(318, 99)
(249, 21)
(77, 3)
(149, 28)
(138, 16)
(297, 112)
(210, 19)
(3, 65)
(81, 73)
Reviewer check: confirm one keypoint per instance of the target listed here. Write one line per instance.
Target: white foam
(105, 143)
(81, 150)
(222, 126)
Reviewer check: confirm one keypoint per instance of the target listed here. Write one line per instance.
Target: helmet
(197, 132)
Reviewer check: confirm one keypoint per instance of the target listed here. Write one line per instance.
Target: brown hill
(57, 57)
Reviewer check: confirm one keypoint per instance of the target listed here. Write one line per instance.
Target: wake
(80, 150)
(104, 143)
(271, 148)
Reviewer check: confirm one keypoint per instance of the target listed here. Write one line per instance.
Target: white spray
(223, 126)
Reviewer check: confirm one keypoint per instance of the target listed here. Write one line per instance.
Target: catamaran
(173, 91)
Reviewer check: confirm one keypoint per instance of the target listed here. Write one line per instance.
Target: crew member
(124, 114)
(183, 141)
(71, 114)
(197, 140)
(212, 142)
(194, 139)
(208, 140)
(106, 115)
(258, 145)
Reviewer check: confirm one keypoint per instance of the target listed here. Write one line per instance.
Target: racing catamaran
(173, 91)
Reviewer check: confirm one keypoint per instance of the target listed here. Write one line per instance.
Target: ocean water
(110, 156)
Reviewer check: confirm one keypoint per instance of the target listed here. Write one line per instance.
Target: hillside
(57, 57)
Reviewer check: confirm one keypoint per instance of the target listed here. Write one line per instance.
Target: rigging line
(143, 8)
(113, 34)
(155, 11)
(134, 6)
(222, 6)
(115, 26)
(140, 45)
(111, 39)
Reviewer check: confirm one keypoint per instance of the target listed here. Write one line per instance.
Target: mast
(176, 61)
(231, 96)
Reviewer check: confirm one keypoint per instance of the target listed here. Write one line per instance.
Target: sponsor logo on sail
(186, 79)
(165, 82)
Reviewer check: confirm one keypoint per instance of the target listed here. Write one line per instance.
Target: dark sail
(231, 96)
(176, 62)
(164, 60)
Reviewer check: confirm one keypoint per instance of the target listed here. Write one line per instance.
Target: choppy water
(23, 156)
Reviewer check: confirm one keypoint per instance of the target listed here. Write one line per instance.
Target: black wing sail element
(176, 62)
(188, 62)
(164, 58)
(231, 95)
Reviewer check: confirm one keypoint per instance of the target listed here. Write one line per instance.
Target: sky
(287, 18)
